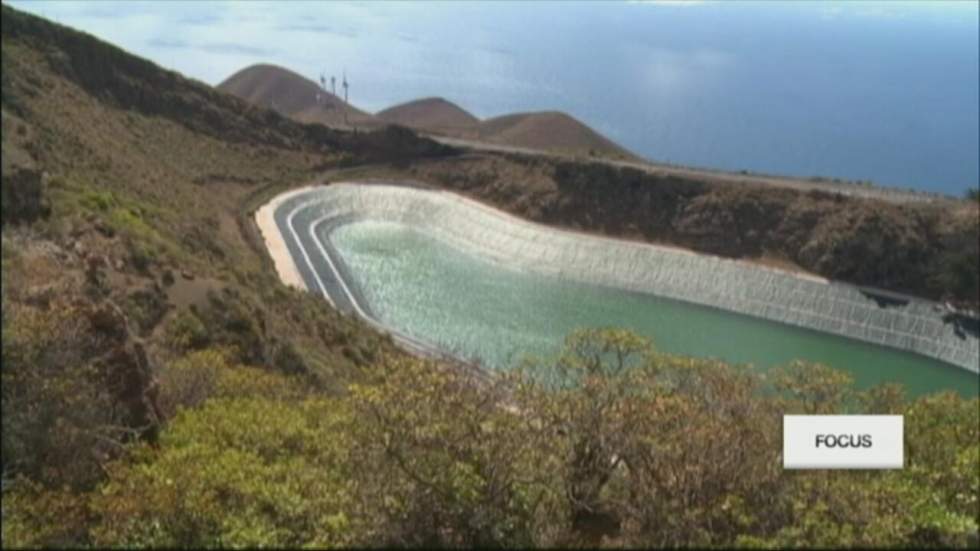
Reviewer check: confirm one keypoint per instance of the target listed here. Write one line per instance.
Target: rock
(108, 319)
(22, 198)
(119, 264)
(96, 262)
(40, 295)
(105, 229)
(187, 275)
(95, 277)
(128, 371)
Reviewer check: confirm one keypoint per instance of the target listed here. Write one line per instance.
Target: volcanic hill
(433, 115)
(296, 96)
(293, 95)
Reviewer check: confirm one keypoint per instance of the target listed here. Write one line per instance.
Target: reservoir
(480, 309)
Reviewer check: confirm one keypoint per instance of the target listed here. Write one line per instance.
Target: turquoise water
(479, 309)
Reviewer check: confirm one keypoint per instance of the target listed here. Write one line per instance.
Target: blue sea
(880, 91)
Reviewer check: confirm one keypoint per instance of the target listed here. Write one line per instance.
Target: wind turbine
(345, 97)
(345, 85)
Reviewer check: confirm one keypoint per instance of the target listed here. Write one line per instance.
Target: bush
(141, 255)
(98, 200)
(193, 379)
(59, 417)
(609, 443)
(37, 517)
(185, 332)
(441, 464)
(146, 307)
(237, 472)
(189, 381)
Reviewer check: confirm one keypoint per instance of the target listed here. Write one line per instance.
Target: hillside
(126, 248)
(293, 95)
(162, 388)
(432, 115)
(925, 249)
(296, 96)
(547, 131)
(550, 131)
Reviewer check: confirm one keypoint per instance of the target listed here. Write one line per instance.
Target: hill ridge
(294, 95)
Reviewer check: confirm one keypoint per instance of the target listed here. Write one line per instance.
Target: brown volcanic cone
(432, 114)
(549, 130)
(291, 94)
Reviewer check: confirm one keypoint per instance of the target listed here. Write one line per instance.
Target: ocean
(879, 91)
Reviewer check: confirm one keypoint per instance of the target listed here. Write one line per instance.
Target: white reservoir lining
(733, 285)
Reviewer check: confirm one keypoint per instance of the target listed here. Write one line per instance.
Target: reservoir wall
(906, 323)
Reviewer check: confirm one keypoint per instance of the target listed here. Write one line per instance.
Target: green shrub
(236, 472)
(185, 331)
(98, 200)
(440, 463)
(189, 381)
(141, 255)
(146, 307)
(37, 517)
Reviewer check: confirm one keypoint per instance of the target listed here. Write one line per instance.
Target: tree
(812, 388)
(442, 461)
(703, 465)
(587, 404)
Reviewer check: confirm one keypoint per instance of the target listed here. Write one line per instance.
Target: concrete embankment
(906, 323)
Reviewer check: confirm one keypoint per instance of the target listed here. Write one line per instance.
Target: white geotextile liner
(732, 285)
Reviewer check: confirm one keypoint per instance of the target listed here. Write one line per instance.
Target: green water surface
(479, 309)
